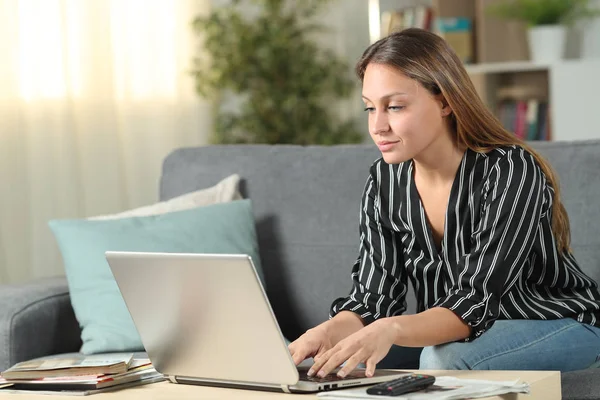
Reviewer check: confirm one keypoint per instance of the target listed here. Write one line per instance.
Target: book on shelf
(70, 364)
(527, 118)
(410, 17)
(458, 33)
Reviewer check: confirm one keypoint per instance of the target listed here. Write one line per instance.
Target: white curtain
(93, 95)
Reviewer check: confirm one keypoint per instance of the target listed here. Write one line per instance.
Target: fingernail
(341, 374)
(321, 374)
(310, 372)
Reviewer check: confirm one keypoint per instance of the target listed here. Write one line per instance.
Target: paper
(444, 388)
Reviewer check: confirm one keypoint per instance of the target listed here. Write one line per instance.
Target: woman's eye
(395, 108)
(369, 109)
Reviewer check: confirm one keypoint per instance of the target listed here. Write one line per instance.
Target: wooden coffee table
(544, 385)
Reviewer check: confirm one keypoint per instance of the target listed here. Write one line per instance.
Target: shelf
(502, 67)
(525, 66)
(502, 73)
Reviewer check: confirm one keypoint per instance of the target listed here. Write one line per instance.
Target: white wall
(574, 99)
(591, 36)
(350, 24)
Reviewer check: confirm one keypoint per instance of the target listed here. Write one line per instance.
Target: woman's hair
(426, 58)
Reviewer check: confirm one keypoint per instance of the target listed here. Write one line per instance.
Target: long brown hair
(426, 58)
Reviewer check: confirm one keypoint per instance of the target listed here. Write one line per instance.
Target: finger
(297, 357)
(371, 364)
(334, 361)
(351, 364)
(299, 354)
(319, 362)
(320, 353)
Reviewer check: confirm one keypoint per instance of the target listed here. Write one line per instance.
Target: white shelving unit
(574, 87)
(571, 86)
(505, 67)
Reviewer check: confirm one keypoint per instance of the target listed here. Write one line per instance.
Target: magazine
(444, 388)
(80, 392)
(85, 381)
(70, 364)
(140, 372)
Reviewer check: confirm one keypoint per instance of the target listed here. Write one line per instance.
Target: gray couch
(306, 203)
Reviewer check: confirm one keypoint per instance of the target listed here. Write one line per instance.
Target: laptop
(205, 319)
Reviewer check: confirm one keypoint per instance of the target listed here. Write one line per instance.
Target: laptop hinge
(285, 388)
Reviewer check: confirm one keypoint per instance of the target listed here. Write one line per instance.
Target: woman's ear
(444, 106)
(446, 111)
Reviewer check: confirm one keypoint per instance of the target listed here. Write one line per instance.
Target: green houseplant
(546, 21)
(287, 83)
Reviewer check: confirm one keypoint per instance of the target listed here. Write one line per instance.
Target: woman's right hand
(312, 343)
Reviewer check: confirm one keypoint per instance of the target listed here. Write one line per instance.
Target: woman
(472, 216)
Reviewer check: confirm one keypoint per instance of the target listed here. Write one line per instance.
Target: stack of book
(457, 31)
(410, 17)
(528, 119)
(80, 374)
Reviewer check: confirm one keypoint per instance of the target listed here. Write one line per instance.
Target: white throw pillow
(224, 191)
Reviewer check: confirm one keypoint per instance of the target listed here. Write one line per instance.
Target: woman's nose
(379, 123)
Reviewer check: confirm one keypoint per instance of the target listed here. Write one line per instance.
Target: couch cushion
(581, 385)
(578, 167)
(99, 307)
(224, 191)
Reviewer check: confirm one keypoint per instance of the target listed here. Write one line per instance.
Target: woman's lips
(386, 145)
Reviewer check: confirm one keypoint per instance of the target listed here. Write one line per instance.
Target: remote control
(404, 384)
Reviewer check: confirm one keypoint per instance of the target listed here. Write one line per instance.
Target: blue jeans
(555, 345)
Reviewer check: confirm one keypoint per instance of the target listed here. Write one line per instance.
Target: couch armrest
(36, 319)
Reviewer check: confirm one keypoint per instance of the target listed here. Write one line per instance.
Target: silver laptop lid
(203, 316)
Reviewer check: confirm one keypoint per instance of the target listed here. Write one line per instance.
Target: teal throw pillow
(99, 307)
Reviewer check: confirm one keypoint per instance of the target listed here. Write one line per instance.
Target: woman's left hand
(369, 345)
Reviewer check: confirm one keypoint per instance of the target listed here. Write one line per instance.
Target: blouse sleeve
(378, 282)
(512, 206)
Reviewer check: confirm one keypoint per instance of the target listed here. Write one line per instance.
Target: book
(521, 121)
(532, 120)
(458, 32)
(10, 389)
(408, 17)
(86, 382)
(69, 365)
(140, 372)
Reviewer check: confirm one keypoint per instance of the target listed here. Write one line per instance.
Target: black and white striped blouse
(498, 257)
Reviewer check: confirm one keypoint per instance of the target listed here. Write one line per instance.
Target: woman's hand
(368, 345)
(312, 343)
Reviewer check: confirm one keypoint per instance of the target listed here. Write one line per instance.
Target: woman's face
(404, 118)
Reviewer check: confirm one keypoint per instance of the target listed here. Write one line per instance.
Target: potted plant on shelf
(284, 83)
(547, 22)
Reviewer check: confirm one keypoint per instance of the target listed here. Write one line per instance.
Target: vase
(547, 43)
